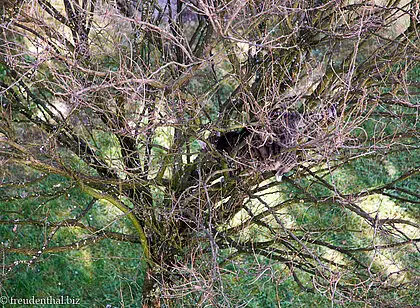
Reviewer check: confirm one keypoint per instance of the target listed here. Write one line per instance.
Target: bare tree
(180, 113)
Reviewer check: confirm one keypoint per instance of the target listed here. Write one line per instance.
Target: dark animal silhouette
(228, 141)
(272, 147)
